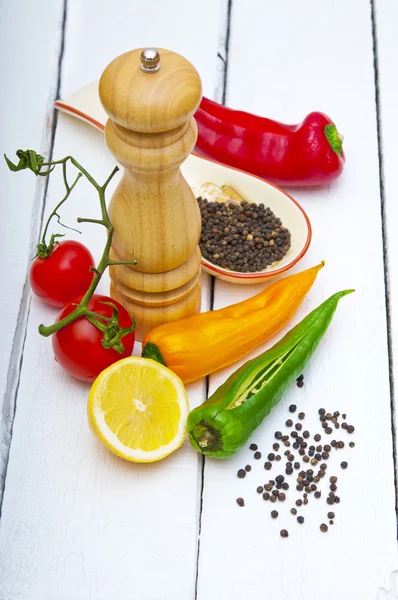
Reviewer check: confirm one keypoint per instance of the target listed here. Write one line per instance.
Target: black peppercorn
(292, 408)
(344, 464)
(240, 501)
(260, 489)
(266, 496)
(241, 473)
(284, 533)
(274, 514)
(300, 520)
(293, 511)
(323, 527)
(301, 415)
(267, 466)
(257, 455)
(289, 423)
(253, 447)
(271, 456)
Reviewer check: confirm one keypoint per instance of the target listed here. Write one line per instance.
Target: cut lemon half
(138, 408)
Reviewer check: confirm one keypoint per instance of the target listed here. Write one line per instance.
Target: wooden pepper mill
(150, 96)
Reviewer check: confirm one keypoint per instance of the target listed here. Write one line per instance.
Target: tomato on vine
(90, 344)
(63, 274)
(91, 332)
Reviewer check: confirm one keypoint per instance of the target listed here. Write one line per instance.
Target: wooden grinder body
(153, 210)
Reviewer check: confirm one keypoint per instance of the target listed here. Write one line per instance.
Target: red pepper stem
(334, 138)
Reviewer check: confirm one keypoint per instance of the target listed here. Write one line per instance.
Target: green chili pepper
(222, 424)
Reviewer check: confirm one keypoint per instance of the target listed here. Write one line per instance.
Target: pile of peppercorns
(307, 480)
(242, 237)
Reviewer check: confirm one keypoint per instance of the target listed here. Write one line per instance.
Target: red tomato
(64, 274)
(78, 348)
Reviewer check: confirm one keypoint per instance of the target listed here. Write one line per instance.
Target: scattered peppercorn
(298, 426)
(282, 497)
(352, 444)
(257, 455)
(248, 468)
(306, 434)
(240, 501)
(323, 527)
(333, 479)
(278, 435)
(260, 489)
(274, 514)
(301, 415)
(285, 486)
(289, 423)
(299, 502)
(241, 473)
(300, 520)
(266, 496)
(300, 384)
(350, 429)
(272, 498)
(321, 411)
(344, 425)
(292, 408)
(337, 499)
(267, 466)
(253, 447)
(293, 511)
(296, 465)
(333, 487)
(344, 416)
(317, 494)
(275, 446)
(278, 457)
(271, 456)
(344, 464)
(331, 515)
(284, 533)
(317, 437)
(331, 522)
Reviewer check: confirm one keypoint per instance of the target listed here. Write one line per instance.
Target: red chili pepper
(301, 155)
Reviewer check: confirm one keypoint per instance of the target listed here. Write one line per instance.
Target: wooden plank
(386, 26)
(26, 120)
(77, 521)
(286, 59)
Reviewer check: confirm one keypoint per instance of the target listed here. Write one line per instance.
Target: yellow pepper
(199, 345)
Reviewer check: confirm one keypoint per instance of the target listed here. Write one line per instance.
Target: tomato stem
(112, 332)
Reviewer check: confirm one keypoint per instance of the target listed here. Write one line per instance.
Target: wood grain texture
(77, 522)
(26, 121)
(241, 551)
(386, 27)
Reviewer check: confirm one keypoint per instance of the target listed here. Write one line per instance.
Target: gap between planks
(385, 249)
(223, 56)
(16, 355)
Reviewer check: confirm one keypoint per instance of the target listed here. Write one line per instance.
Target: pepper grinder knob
(150, 60)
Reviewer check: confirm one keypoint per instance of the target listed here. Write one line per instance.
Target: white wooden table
(77, 523)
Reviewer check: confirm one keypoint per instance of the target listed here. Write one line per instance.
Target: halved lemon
(138, 408)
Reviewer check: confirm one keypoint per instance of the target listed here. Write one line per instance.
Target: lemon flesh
(138, 409)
